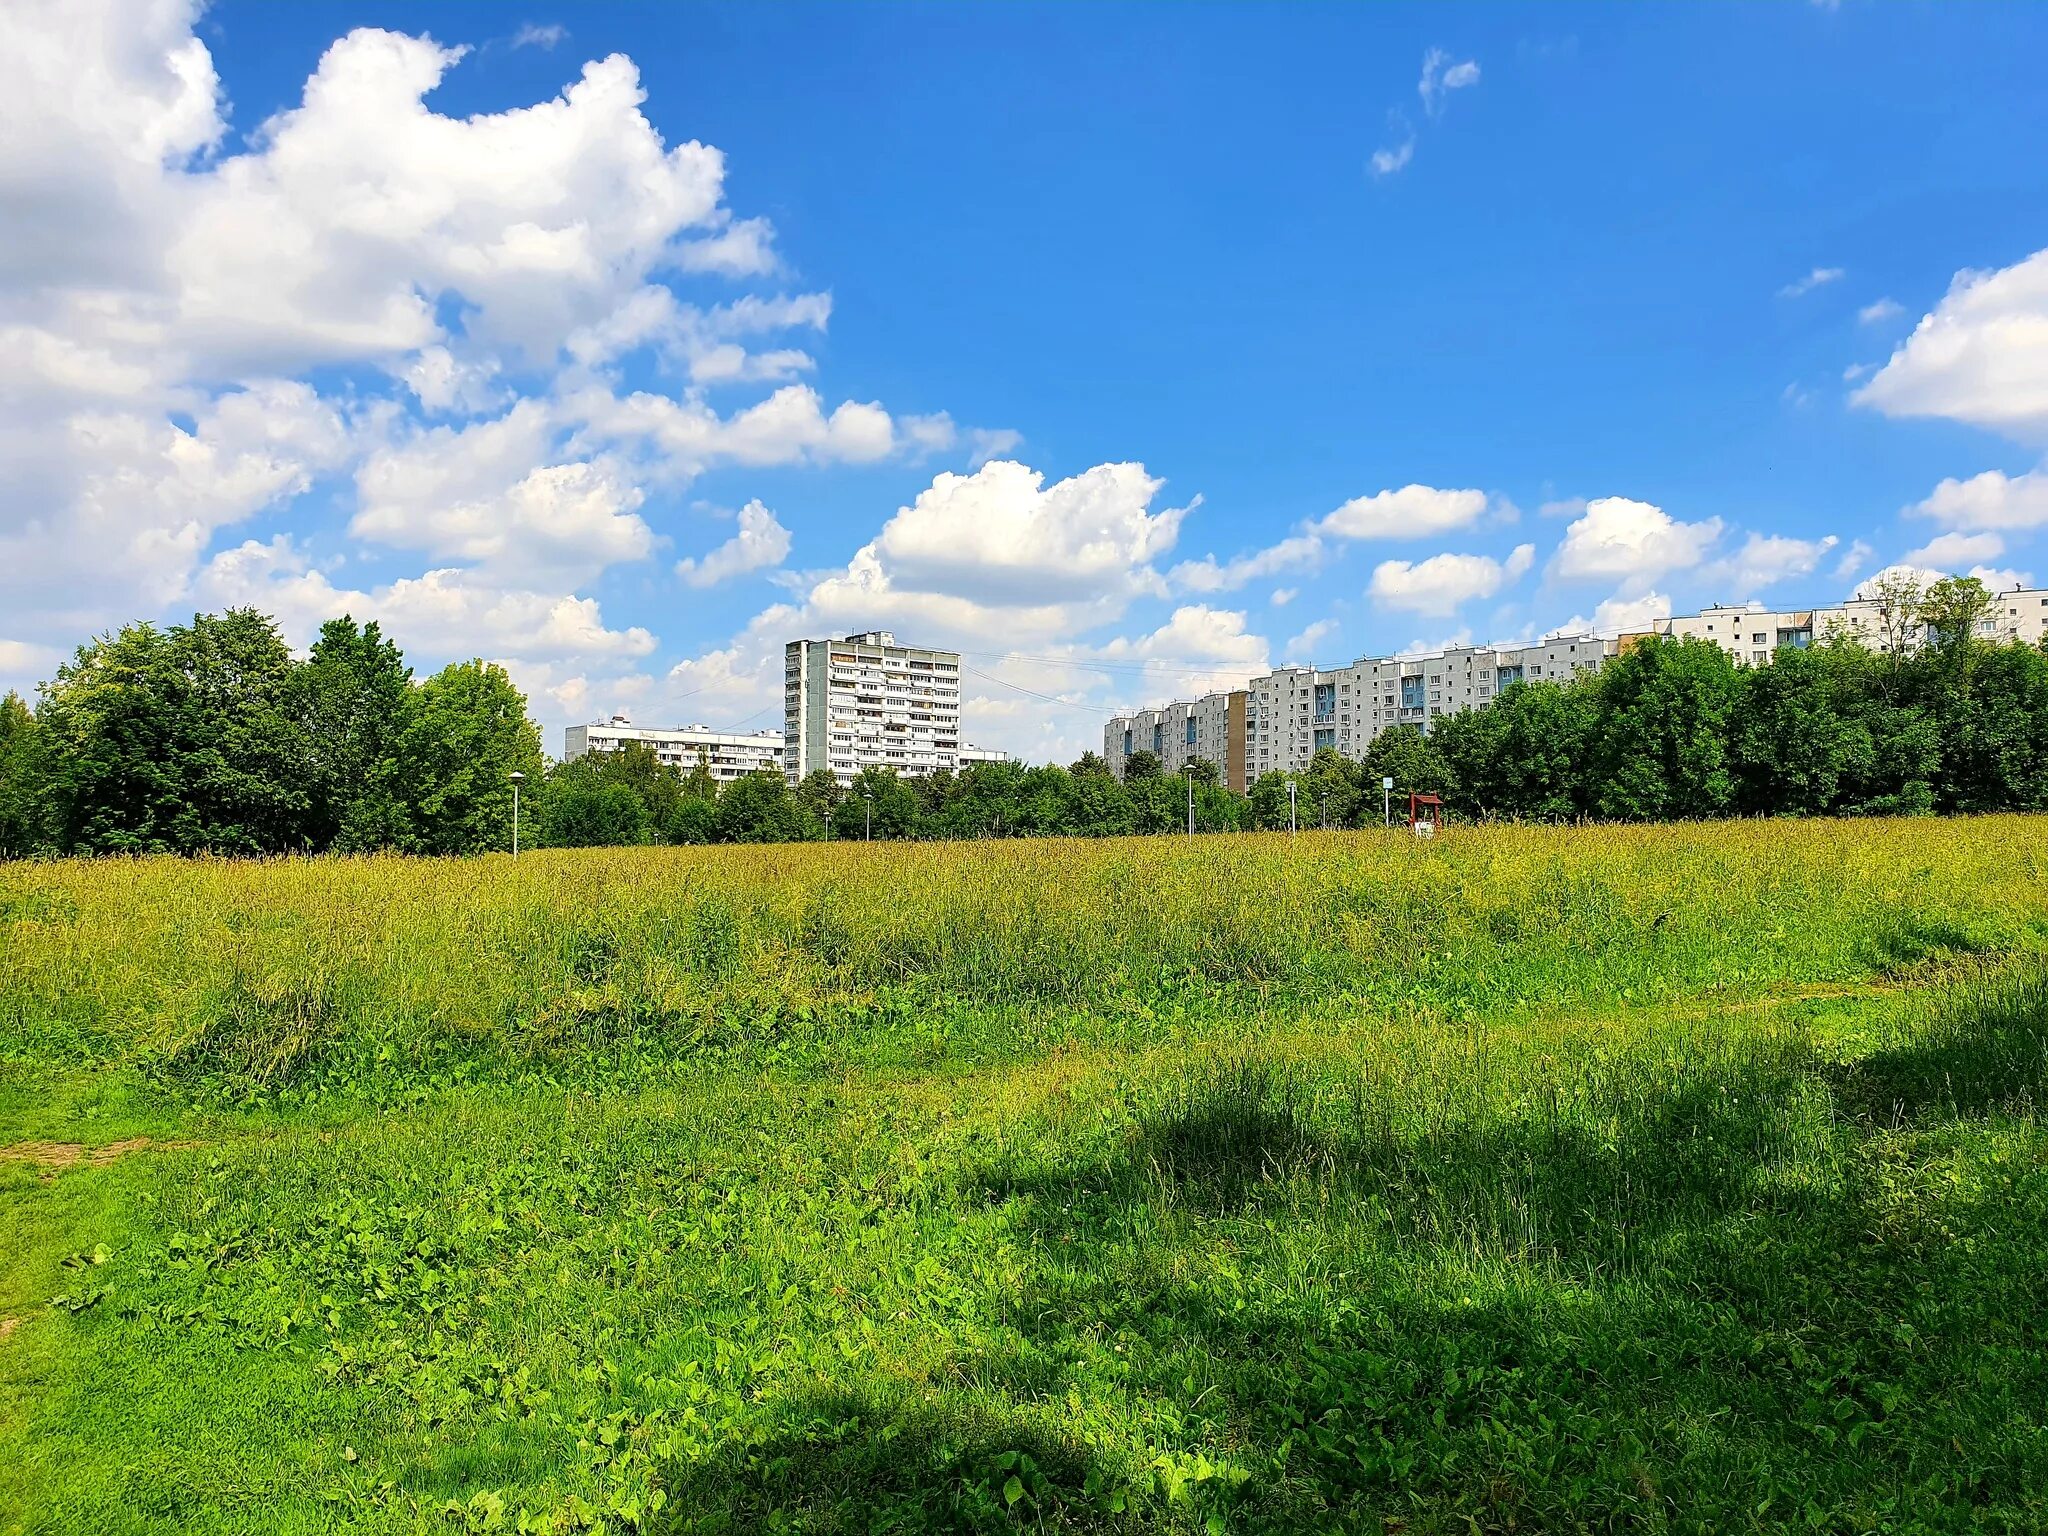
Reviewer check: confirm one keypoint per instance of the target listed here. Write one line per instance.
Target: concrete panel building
(1212, 728)
(863, 701)
(729, 754)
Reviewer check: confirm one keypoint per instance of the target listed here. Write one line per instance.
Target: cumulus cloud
(1766, 559)
(1304, 644)
(173, 302)
(1297, 552)
(1617, 538)
(1990, 500)
(1854, 559)
(761, 543)
(1617, 615)
(1436, 587)
(1412, 512)
(1819, 277)
(1981, 356)
(1953, 551)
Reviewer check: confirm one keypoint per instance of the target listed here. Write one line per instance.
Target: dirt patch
(55, 1155)
(7, 1326)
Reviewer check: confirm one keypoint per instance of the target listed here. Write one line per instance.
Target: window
(1191, 730)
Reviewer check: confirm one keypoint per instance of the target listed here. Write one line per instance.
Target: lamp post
(1190, 771)
(868, 794)
(1387, 789)
(1290, 808)
(518, 779)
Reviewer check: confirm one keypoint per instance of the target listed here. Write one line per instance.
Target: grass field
(1667, 1179)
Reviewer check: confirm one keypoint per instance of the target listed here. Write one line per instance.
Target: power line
(1000, 682)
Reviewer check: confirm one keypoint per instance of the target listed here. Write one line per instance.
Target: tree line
(212, 737)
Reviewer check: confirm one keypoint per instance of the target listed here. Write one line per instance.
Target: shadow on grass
(1985, 1049)
(1610, 1317)
(845, 1463)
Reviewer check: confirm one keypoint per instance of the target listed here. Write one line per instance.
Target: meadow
(1678, 1178)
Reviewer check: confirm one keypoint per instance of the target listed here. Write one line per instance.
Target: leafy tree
(350, 700)
(1102, 806)
(1404, 754)
(819, 795)
(1141, 765)
(1659, 750)
(1795, 738)
(1524, 755)
(1995, 735)
(1088, 763)
(596, 814)
(465, 735)
(894, 805)
(178, 741)
(1269, 800)
(759, 808)
(1331, 793)
(24, 780)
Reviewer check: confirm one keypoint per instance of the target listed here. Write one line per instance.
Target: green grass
(1680, 1179)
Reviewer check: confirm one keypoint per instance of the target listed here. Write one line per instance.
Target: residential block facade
(863, 701)
(1287, 714)
(729, 754)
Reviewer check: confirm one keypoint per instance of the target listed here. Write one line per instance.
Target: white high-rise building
(728, 754)
(866, 702)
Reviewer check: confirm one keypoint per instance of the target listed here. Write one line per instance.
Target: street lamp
(518, 779)
(1290, 808)
(1387, 789)
(868, 794)
(1190, 771)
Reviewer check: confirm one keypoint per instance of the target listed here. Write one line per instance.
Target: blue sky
(1404, 324)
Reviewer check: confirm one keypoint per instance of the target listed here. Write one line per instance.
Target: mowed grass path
(1683, 1178)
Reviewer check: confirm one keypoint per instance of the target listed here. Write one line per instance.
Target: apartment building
(729, 754)
(971, 754)
(1295, 711)
(1211, 728)
(863, 701)
(1292, 712)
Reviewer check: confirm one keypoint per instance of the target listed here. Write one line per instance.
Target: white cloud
(1868, 587)
(1297, 552)
(1441, 76)
(761, 542)
(1616, 538)
(1953, 551)
(2001, 579)
(1412, 512)
(1282, 596)
(532, 35)
(1990, 500)
(985, 443)
(1388, 159)
(1819, 277)
(452, 613)
(1980, 357)
(1437, 586)
(1305, 643)
(1881, 310)
(1854, 372)
(1766, 559)
(1617, 615)
(1854, 559)
(744, 248)
(687, 436)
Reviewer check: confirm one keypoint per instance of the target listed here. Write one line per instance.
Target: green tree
(24, 780)
(350, 700)
(1142, 765)
(1795, 738)
(1410, 758)
(178, 741)
(1524, 755)
(1268, 800)
(1659, 750)
(759, 808)
(465, 735)
(1995, 736)
(596, 814)
(897, 813)
(819, 795)
(1087, 763)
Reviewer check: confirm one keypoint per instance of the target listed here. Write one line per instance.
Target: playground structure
(1425, 815)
